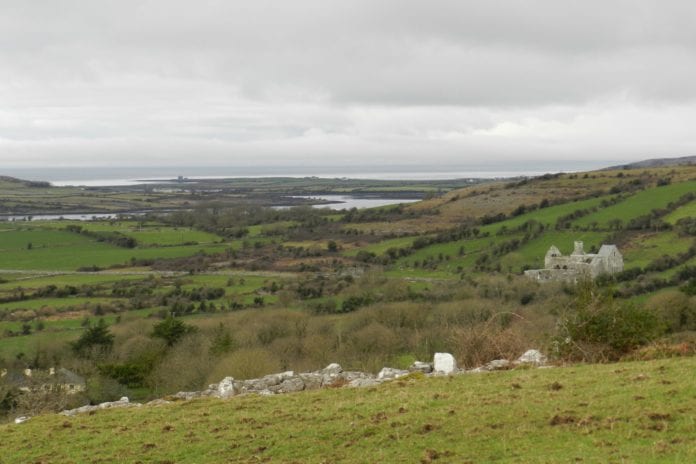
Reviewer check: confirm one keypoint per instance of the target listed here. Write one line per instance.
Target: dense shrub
(600, 329)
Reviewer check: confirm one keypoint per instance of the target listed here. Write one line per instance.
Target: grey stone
(444, 363)
(497, 365)
(122, 403)
(293, 384)
(391, 373)
(186, 396)
(532, 357)
(363, 382)
(311, 380)
(420, 366)
(225, 388)
(332, 369)
(158, 402)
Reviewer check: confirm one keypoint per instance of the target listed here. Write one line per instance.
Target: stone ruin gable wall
(556, 262)
(554, 275)
(578, 264)
(613, 261)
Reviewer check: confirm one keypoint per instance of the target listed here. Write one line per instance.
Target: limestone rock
(332, 369)
(122, 403)
(444, 363)
(311, 380)
(158, 402)
(186, 396)
(533, 357)
(293, 384)
(497, 365)
(225, 388)
(391, 373)
(420, 366)
(363, 382)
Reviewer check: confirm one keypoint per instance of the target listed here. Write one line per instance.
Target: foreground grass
(628, 412)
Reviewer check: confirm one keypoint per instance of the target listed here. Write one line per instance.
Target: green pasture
(686, 211)
(642, 249)
(637, 205)
(56, 303)
(546, 216)
(639, 412)
(10, 347)
(63, 280)
(57, 332)
(145, 233)
(59, 250)
(263, 229)
(12, 240)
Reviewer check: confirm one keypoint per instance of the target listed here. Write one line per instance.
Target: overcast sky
(345, 82)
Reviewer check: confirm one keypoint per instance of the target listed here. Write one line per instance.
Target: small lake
(348, 201)
(67, 217)
(340, 202)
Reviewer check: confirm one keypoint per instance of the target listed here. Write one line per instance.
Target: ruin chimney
(579, 249)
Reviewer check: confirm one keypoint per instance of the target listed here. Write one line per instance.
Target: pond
(341, 202)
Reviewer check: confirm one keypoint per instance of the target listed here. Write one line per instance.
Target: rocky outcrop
(420, 366)
(388, 373)
(533, 357)
(444, 363)
(122, 403)
(332, 375)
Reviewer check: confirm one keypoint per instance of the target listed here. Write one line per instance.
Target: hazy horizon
(97, 175)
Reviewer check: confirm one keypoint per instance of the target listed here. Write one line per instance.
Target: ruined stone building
(608, 260)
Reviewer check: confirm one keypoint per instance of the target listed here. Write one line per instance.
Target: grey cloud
(360, 79)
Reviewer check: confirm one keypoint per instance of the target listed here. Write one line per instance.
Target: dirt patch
(562, 420)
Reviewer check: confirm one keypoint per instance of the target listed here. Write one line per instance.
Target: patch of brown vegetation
(562, 420)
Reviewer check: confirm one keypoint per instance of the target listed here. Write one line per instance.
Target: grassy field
(639, 204)
(31, 282)
(642, 249)
(59, 250)
(639, 412)
(688, 210)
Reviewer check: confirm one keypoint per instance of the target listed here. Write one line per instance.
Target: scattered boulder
(497, 365)
(420, 366)
(186, 396)
(533, 357)
(391, 373)
(332, 369)
(158, 402)
(311, 380)
(293, 384)
(225, 388)
(444, 363)
(363, 382)
(349, 376)
(331, 375)
(122, 403)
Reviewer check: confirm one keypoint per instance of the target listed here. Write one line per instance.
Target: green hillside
(173, 302)
(639, 412)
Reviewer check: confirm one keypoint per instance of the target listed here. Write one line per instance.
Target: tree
(171, 330)
(94, 338)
